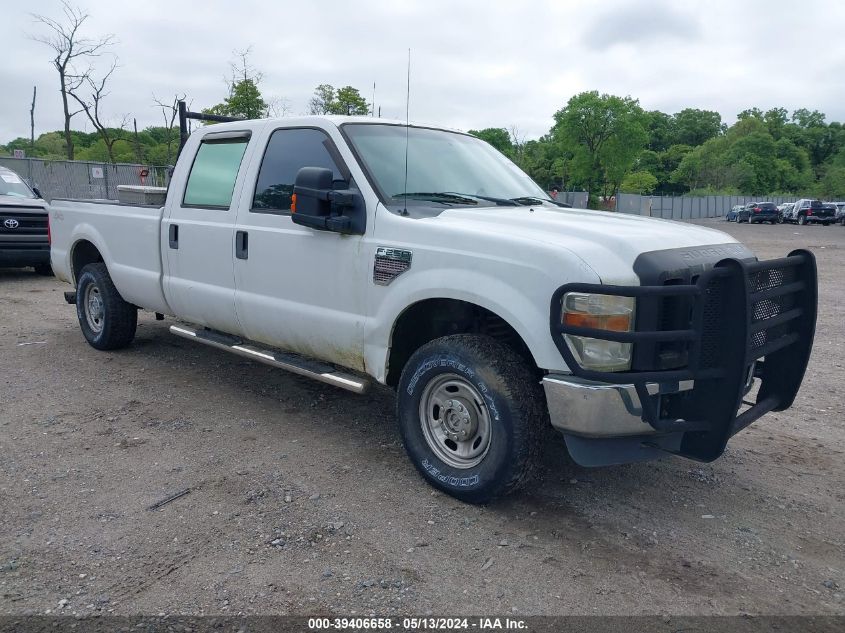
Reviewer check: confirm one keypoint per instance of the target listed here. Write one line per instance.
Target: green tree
(498, 137)
(661, 130)
(349, 101)
(694, 127)
(831, 186)
(775, 120)
(605, 134)
(346, 100)
(245, 99)
(323, 100)
(641, 182)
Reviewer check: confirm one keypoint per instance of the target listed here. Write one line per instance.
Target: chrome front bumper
(595, 409)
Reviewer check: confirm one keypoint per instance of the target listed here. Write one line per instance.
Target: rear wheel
(802, 220)
(106, 320)
(471, 415)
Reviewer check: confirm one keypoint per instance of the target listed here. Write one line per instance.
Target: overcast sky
(473, 65)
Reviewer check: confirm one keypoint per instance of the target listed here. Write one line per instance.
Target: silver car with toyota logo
(24, 225)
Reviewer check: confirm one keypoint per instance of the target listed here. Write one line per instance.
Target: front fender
(523, 305)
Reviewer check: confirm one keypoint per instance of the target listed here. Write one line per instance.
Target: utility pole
(138, 156)
(32, 123)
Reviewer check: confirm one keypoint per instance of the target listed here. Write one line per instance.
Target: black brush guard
(736, 318)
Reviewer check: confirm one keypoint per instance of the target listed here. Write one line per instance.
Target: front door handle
(173, 236)
(241, 244)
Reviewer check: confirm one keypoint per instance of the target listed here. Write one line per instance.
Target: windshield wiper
(527, 200)
(435, 196)
(454, 197)
(502, 202)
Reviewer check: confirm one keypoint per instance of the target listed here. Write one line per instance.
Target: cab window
(211, 182)
(287, 152)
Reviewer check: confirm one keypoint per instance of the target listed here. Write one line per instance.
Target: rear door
(198, 233)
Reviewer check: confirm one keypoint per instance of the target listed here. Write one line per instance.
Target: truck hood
(607, 242)
(16, 201)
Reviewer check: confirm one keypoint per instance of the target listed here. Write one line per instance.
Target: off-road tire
(515, 406)
(119, 318)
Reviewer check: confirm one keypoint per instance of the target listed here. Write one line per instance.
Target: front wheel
(471, 415)
(106, 320)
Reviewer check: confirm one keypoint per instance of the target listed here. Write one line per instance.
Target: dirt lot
(302, 500)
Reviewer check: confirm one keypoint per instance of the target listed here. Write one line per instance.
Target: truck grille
(29, 221)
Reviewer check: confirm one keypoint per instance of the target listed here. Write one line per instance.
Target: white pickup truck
(354, 250)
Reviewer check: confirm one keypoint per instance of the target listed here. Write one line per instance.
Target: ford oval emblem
(11, 223)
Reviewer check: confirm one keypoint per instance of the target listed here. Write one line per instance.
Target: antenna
(407, 127)
(373, 110)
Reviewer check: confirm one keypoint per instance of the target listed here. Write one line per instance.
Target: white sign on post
(19, 153)
(96, 172)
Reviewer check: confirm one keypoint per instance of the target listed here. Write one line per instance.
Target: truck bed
(129, 238)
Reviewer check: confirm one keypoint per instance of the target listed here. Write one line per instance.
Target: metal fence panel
(578, 199)
(84, 179)
(687, 207)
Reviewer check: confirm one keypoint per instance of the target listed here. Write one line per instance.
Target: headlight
(602, 312)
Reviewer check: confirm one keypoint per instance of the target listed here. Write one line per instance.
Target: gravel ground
(301, 499)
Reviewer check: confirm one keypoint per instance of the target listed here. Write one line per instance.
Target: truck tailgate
(128, 237)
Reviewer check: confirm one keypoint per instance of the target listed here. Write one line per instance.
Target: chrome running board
(289, 362)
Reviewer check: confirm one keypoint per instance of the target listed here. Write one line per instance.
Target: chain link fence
(84, 179)
(687, 207)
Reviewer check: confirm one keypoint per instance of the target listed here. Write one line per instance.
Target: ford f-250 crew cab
(355, 250)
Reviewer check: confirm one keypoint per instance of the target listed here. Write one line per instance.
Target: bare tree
(242, 70)
(32, 122)
(91, 105)
(70, 47)
(278, 107)
(170, 112)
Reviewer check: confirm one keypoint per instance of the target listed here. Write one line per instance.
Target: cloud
(474, 63)
(644, 24)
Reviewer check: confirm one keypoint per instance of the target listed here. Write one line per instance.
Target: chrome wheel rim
(92, 305)
(455, 421)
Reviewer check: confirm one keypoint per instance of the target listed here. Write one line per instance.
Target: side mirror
(319, 206)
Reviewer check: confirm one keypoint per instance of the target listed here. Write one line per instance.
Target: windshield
(12, 185)
(444, 168)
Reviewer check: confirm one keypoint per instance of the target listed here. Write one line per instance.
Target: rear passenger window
(287, 152)
(211, 182)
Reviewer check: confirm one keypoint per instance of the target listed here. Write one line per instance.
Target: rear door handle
(241, 244)
(173, 236)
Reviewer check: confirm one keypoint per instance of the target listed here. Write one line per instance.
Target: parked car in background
(24, 236)
(839, 217)
(759, 212)
(807, 211)
(830, 207)
(785, 209)
(733, 214)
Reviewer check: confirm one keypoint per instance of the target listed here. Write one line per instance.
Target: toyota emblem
(11, 223)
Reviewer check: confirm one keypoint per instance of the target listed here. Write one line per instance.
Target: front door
(298, 288)
(198, 235)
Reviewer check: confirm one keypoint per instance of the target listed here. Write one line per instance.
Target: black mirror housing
(319, 206)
